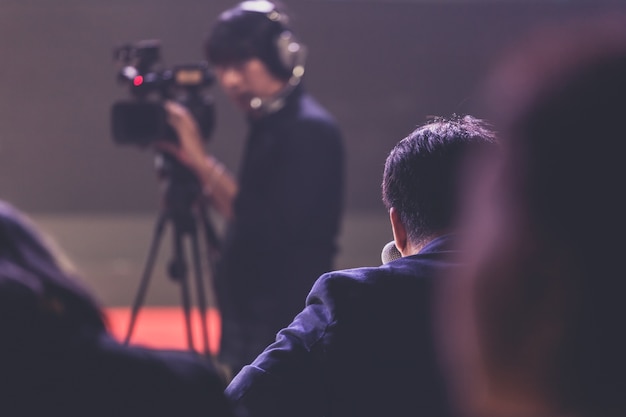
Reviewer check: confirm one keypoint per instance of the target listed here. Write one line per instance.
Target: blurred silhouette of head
(39, 293)
(536, 324)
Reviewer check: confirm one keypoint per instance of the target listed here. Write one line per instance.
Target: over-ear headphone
(291, 53)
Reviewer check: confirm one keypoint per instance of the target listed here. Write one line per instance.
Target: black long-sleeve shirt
(287, 219)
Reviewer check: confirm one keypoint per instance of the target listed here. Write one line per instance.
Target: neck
(275, 87)
(273, 102)
(413, 248)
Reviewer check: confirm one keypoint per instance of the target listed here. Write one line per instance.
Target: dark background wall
(380, 67)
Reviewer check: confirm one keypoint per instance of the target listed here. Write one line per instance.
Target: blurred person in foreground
(57, 357)
(363, 344)
(284, 209)
(535, 325)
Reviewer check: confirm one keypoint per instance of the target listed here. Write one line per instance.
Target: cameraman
(284, 210)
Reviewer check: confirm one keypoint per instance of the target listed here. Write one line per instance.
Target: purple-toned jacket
(362, 346)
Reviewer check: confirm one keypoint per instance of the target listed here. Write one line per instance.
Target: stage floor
(110, 252)
(166, 328)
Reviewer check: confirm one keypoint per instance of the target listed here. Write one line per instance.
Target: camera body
(142, 119)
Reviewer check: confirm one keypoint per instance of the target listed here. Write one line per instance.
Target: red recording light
(138, 80)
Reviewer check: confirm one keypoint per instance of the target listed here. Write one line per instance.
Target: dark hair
(421, 176)
(240, 34)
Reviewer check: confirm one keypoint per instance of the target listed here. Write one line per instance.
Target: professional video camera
(142, 119)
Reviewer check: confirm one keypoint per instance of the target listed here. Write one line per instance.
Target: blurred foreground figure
(536, 326)
(57, 357)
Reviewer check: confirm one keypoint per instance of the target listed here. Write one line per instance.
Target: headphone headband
(266, 7)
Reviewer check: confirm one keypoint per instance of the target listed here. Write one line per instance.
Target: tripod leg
(212, 241)
(147, 272)
(213, 249)
(200, 290)
(178, 271)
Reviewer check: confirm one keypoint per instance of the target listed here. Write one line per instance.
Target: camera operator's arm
(216, 181)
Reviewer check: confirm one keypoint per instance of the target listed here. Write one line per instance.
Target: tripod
(185, 209)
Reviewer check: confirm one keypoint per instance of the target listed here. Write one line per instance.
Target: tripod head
(183, 200)
(181, 188)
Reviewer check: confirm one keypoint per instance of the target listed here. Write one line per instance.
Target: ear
(399, 231)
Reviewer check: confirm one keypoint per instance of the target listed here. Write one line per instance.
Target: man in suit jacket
(364, 343)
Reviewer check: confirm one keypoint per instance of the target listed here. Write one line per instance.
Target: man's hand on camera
(216, 182)
(189, 150)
